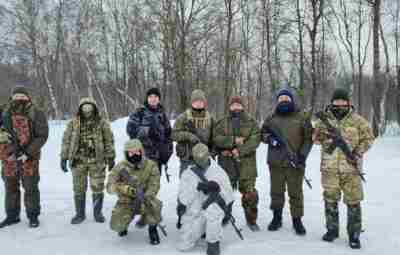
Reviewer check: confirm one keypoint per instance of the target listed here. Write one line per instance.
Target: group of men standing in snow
(216, 158)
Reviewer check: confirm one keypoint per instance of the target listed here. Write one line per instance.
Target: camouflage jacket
(146, 174)
(203, 126)
(295, 128)
(31, 125)
(102, 139)
(224, 140)
(356, 132)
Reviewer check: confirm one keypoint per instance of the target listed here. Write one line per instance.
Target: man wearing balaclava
(136, 182)
(191, 127)
(24, 132)
(294, 126)
(88, 147)
(201, 180)
(236, 138)
(340, 174)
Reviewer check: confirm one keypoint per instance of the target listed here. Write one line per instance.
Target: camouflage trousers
(247, 187)
(123, 214)
(282, 177)
(334, 184)
(80, 174)
(29, 179)
(354, 223)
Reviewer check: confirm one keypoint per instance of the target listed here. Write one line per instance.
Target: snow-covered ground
(381, 210)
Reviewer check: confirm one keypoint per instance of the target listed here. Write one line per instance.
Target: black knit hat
(153, 91)
(340, 94)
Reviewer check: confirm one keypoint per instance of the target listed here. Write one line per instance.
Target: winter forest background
(114, 50)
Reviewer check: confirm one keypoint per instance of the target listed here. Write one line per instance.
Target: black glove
(111, 164)
(208, 187)
(63, 164)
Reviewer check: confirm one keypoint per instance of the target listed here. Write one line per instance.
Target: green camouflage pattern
(224, 140)
(4, 137)
(91, 142)
(148, 177)
(356, 132)
(334, 184)
(332, 216)
(282, 177)
(354, 219)
(80, 173)
(30, 185)
(203, 124)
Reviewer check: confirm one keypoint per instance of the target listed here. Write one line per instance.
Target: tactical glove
(208, 187)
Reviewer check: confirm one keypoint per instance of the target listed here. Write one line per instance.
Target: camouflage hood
(88, 100)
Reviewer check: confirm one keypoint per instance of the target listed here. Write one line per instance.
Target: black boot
(33, 221)
(330, 235)
(153, 235)
(10, 220)
(276, 222)
(354, 240)
(299, 227)
(213, 248)
(97, 208)
(123, 233)
(80, 207)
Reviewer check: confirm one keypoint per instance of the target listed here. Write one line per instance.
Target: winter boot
(354, 225)
(276, 222)
(97, 208)
(299, 227)
(10, 220)
(330, 235)
(80, 207)
(213, 248)
(332, 222)
(153, 235)
(249, 203)
(123, 233)
(354, 240)
(33, 221)
(251, 219)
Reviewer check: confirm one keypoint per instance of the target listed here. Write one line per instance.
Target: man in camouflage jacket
(236, 138)
(340, 174)
(88, 145)
(136, 181)
(28, 126)
(293, 126)
(191, 127)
